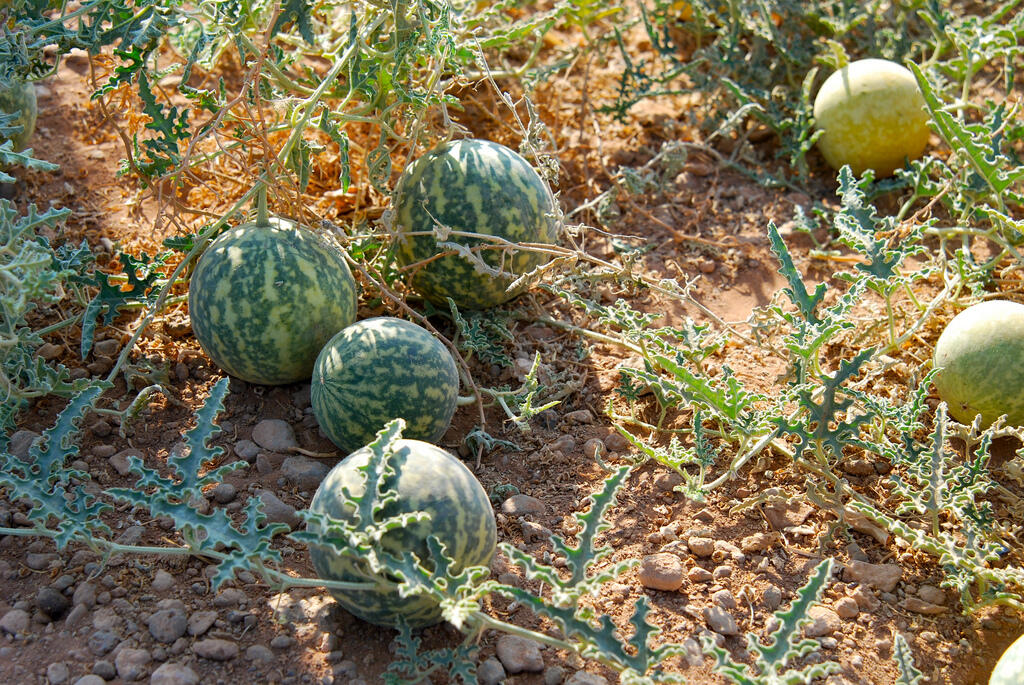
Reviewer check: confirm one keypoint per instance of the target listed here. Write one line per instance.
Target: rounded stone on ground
(847, 608)
(104, 669)
(15, 622)
(274, 435)
(52, 603)
(662, 571)
(215, 649)
(223, 493)
(519, 655)
(519, 505)
(824, 621)
(91, 679)
(162, 581)
(259, 653)
(172, 673)
(490, 672)
(132, 664)
(247, 450)
(585, 678)
(699, 575)
(58, 673)
(700, 546)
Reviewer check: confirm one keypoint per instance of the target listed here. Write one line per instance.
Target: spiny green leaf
(909, 674)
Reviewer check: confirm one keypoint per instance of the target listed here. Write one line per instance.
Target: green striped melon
(479, 187)
(425, 478)
(380, 369)
(20, 99)
(266, 296)
(979, 360)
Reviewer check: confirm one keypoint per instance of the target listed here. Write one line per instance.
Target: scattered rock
(882, 577)
(120, 460)
(304, 472)
(847, 607)
(667, 482)
(720, 621)
(106, 348)
(274, 435)
(616, 442)
(722, 572)
(20, 443)
(865, 599)
(724, 599)
(130, 536)
(490, 672)
(932, 594)
(215, 649)
(859, 467)
(102, 641)
(200, 621)
(862, 524)
(76, 616)
(554, 675)
(282, 642)
(40, 561)
(223, 493)
(49, 351)
(52, 603)
(918, 605)
(259, 653)
(247, 450)
(772, 597)
(782, 515)
(534, 531)
(173, 673)
(167, 625)
(662, 571)
(519, 655)
(132, 664)
(580, 416)
(519, 505)
(162, 581)
(824, 622)
(90, 679)
(584, 678)
(58, 673)
(104, 669)
(85, 594)
(564, 444)
(725, 549)
(229, 597)
(699, 575)
(277, 511)
(702, 547)
(758, 542)
(15, 622)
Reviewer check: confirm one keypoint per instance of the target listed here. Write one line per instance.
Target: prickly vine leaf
(785, 643)
(179, 497)
(142, 288)
(46, 482)
(908, 672)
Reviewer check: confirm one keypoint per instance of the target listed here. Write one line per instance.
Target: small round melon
(381, 369)
(979, 355)
(479, 187)
(20, 99)
(426, 479)
(872, 115)
(1009, 669)
(264, 298)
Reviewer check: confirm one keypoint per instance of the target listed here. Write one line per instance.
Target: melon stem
(262, 214)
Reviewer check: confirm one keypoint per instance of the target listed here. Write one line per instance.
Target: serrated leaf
(908, 673)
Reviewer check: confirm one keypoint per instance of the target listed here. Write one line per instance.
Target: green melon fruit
(20, 99)
(979, 355)
(380, 369)
(266, 296)
(425, 478)
(872, 116)
(479, 187)
(1009, 669)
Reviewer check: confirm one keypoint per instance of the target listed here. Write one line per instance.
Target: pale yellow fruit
(872, 116)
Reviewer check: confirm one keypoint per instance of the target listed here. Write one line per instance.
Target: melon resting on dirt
(1009, 669)
(266, 296)
(425, 478)
(20, 99)
(872, 116)
(979, 358)
(380, 369)
(473, 186)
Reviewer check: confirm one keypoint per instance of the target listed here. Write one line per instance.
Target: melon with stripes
(471, 186)
(266, 296)
(381, 369)
(423, 478)
(20, 99)
(979, 360)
